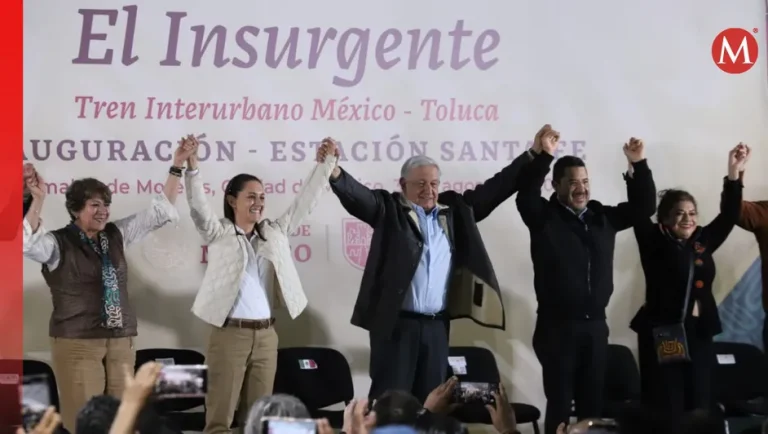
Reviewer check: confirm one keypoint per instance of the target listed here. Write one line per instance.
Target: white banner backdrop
(467, 84)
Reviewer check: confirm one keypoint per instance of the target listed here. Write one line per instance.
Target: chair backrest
(176, 357)
(739, 372)
(479, 364)
(318, 376)
(36, 367)
(622, 376)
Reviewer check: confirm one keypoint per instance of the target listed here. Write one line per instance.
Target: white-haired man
(427, 265)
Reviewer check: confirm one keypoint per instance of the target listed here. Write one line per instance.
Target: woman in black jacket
(676, 254)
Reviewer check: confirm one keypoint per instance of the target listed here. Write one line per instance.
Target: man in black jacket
(427, 265)
(572, 243)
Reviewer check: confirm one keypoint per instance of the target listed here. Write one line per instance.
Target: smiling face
(248, 204)
(421, 186)
(682, 219)
(572, 188)
(94, 215)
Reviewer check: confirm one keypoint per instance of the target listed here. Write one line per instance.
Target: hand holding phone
(35, 400)
(467, 392)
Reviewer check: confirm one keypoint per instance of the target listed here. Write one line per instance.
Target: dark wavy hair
(667, 201)
(234, 187)
(83, 189)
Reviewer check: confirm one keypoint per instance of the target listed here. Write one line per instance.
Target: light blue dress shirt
(429, 287)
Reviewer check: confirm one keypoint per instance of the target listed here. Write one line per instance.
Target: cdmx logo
(735, 50)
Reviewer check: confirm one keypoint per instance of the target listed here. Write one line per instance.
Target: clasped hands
(737, 160)
(327, 147)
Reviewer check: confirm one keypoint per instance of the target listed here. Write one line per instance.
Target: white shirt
(253, 301)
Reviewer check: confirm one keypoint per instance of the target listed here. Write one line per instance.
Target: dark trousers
(573, 362)
(677, 387)
(413, 359)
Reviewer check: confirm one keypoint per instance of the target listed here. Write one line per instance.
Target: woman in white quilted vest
(250, 271)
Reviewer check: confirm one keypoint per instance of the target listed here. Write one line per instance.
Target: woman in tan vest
(93, 324)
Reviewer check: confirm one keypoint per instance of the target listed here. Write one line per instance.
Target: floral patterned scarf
(112, 314)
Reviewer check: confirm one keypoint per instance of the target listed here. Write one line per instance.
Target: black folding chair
(622, 381)
(481, 367)
(319, 377)
(740, 379)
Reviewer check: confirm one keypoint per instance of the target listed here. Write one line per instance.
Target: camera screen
(182, 381)
(35, 399)
(466, 392)
(289, 426)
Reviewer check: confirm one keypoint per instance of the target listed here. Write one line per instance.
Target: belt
(428, 316)
(252, 324)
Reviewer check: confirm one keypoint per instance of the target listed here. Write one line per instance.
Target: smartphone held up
(182, 381)
(287, 425)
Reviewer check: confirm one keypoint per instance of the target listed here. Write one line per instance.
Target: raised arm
(730, 200)
(206, 222)
(641, 191)
(38, 244)
(311, 189)
(360, 201)
(529, 202)
(487, 196)
(162, 210)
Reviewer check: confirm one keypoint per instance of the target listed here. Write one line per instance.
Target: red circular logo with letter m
(735, 50)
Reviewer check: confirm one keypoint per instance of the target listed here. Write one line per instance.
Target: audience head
(420, 181)
(274, 406)
(99, 412)
(244, 200)
(396, 407)
(88, 201)
(431, 423)
(97, 415)
(571, 182)
(677, 213)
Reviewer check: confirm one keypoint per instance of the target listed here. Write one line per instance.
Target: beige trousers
(241, 369)
(85, 368)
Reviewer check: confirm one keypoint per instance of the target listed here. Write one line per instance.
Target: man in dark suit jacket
(572, 246)
(427, 265)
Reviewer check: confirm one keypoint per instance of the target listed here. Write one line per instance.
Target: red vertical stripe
(11, 272)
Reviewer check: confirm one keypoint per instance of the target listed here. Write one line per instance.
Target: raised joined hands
(187, 151)
(547, 140)
(737, 158)
(634, 150)
(327, 147)
(33, 182)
